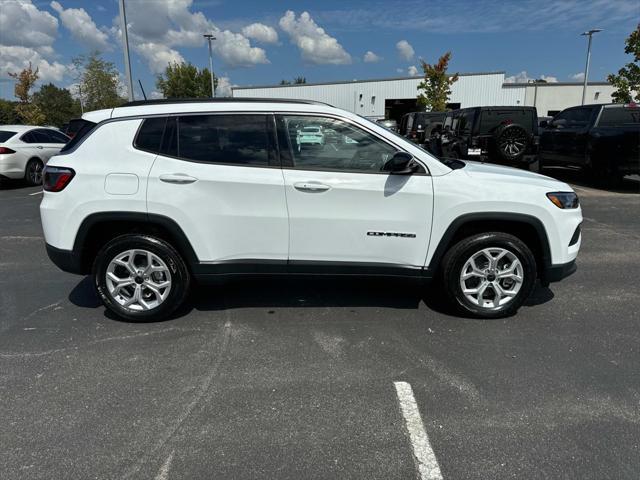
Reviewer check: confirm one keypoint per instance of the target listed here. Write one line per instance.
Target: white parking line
(428, 468)
(35, 193)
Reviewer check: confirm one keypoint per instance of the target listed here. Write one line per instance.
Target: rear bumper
(555, 273)
(65, 260)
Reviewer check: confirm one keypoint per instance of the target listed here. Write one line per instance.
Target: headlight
(564, 199)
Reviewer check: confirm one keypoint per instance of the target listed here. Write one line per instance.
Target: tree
(99, 81)
(56, 104)
(184, 80)
(8, 113)
(296, 81)
(435, 89)
(26, 110)
(627, 81)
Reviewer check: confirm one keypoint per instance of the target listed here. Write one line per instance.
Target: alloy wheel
(491, 278)
(138, 280)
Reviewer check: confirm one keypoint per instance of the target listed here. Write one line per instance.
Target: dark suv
(506, 135)
(418, 126)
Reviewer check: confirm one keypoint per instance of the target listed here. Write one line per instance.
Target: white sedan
(25, 149)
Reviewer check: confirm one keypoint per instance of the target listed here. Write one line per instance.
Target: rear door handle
(177, 178)
(311, 187)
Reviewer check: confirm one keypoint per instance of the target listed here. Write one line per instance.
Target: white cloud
(400, 70)
(174, 25)
(223, 89)
(158, 56)
(578, 77)
(371, 57)
(82, 27)
(15, 58)
(412, 71)
(261, 33)
(154, 95)
(21, 23)
(523, 77)
(236, 50)
(316, 46)
(405, 50)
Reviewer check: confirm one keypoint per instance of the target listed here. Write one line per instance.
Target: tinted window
(232, 139)
(74, 126)
(29, 137)
(84, 130)
(490, 120)
(5, 135)
(43, 136)
(150, 134)
(339, 145)
(580, 117)
(56, 137)
(615, 116)
(466, 122)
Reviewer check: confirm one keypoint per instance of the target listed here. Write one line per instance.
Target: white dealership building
(391, 97)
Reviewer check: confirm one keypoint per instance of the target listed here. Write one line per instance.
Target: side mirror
(401, 163)
(544, 124)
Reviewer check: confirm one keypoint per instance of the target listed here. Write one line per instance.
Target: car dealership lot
(291, 378)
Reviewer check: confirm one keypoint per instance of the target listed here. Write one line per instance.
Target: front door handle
(177, 178)
(40, 147)
(311, 187)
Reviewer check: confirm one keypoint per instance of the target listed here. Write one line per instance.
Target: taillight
(56, 178)
(6, 150)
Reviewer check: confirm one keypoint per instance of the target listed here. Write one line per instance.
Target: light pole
(586, 69)
(125, 43)
(210, 37)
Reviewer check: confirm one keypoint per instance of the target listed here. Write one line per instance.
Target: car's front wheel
(140, 277)
(489, 275)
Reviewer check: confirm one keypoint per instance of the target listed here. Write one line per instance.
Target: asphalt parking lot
(295, 378)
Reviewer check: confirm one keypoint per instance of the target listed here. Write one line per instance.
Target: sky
(262, 42)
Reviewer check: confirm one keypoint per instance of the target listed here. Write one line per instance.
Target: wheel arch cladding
(99, 228)
(527, 228)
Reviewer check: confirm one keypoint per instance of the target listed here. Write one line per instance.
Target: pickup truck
(602, 140)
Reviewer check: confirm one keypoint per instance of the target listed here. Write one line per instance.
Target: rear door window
(55, 137)
(618, 116)
(246, 140)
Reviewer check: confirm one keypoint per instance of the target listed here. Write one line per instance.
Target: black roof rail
(161, 101)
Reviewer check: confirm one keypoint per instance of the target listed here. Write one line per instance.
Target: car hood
(487, 171)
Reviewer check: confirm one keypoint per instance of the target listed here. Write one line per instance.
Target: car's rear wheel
(489, 275)
(33, 172)
(140, 277)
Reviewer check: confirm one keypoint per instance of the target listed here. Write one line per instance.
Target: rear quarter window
(6, 135)
(149, 136)
(82, 132)
(619, 116)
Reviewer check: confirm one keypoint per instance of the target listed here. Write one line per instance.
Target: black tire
(175, 270)
(33, 172)
(512, 141)
(456, 258)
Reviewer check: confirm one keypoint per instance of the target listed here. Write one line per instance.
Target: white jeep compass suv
(151, 195)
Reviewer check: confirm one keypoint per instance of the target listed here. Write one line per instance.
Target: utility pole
(125, 44)
(586, 69)
(210, 37)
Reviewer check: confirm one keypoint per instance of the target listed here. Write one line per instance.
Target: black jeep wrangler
(506, 135)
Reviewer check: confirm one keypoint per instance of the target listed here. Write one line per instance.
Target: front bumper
(65, 260)
(555, 273)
